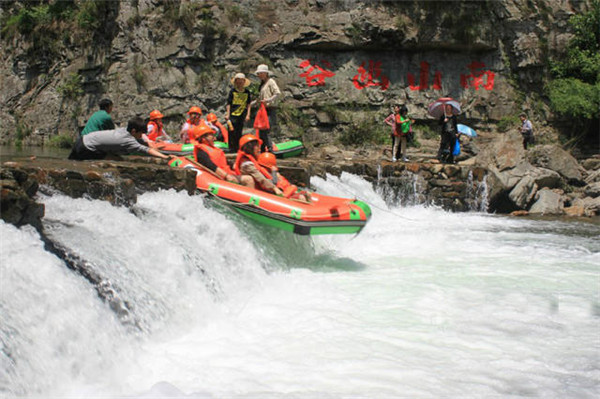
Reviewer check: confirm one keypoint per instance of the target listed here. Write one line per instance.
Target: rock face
(520, 180)
(335, 61)
(17, 203)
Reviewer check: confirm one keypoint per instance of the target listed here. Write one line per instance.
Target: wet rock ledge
(118, 182)
(453, 187)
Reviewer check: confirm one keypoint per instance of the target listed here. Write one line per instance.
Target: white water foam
(422, 303)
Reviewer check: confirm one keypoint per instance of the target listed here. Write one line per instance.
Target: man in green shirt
(101, 119)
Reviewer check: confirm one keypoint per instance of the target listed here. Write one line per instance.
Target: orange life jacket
(157, 131)
(193, 139)
(186, 136)
(216, 155)
(224, 131)
(282, 183)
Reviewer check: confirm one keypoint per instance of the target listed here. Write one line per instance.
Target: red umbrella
(436, 109)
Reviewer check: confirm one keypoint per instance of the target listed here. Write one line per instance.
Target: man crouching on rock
(112, 143)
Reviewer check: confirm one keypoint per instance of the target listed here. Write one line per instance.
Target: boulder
(548, 202)
(546, 178)
(555, 158)
(591, 164)
(593, 177)
(523, 192)
(590, 206)
(592, 190)
(575, 211)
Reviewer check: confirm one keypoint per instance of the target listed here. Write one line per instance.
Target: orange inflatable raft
(321, 215)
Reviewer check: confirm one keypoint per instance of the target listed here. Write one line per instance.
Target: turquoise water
(422, 303)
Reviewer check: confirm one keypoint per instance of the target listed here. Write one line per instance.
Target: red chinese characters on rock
(318, 79)
(424, 78)
(370, 77)
(315, 74)
(475, 78)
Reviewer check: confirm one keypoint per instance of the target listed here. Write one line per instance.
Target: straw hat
(241, 76)
(262, 68)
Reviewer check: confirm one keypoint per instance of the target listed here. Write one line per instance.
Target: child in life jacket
(221, 132)
(156, 131)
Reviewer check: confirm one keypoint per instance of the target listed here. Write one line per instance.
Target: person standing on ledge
(112, 143)
(269, 91)
(238, 109)
(100, 120)
(526, 131)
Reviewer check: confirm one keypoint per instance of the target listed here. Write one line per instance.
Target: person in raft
(100, 120)
(193, 120)
(213, 158)
(156, 131)
(238, 108)
(268, 161)
(269, 91)
(246, 164)
(221, 134)
(112, 143)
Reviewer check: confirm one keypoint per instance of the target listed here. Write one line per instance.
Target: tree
(575, 90)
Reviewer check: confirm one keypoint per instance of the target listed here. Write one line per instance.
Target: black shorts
(80, 152)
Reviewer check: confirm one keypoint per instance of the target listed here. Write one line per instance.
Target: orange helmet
(155, 114)
(211, 117)
(195, 110)
(196, 132)
(248, 138)
(267, 159)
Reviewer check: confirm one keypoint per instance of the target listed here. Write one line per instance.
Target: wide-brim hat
(262, 68)
(240, 76)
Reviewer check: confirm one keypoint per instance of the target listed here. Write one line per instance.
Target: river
(422, 303)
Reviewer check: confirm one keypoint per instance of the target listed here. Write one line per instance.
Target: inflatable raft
(287, 149)
(322, 215)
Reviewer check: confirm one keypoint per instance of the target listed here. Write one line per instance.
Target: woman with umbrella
(446, 110)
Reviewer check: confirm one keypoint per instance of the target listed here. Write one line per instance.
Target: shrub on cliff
(575, 92)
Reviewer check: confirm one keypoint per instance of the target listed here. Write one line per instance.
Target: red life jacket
(282, 183)
(216, 155)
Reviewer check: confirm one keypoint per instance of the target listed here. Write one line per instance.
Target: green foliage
(138, 74)
(508, 122)
(88, 17)
(582, 60)
(425, 132)
(573, 98)
(61, 141)
(71, 87)
(575, 93)
(365, 130)
(293, 116)
(401, 23)
(236, 14)
(354, 32)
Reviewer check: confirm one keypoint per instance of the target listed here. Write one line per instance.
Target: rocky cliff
(340, 63)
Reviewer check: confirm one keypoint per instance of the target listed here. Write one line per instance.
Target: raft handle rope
(353, 195)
